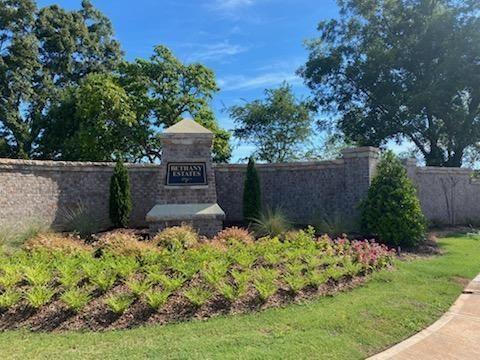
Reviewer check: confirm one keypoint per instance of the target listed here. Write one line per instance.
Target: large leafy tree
(402, 70)
(43, 52)
(278, 126)
(165, 90)
(92, 122)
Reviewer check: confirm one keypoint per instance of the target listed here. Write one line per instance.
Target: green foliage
(215, 271)
(9, 298)
(163, 90)
(120, 196)
(252, 199)
(91, 122)
(265, 282)
(198, 295)
(242, 281)
(45, 52)
(123, 266)
(138, 286)
(392, 210)
(76, 298)
(401, 69)
(156, 299)
(103, 279)
(271, 222)
(278, 126)
(10, 275)
(38, 274)
(69, 272)
(39, 296)
(119, 303)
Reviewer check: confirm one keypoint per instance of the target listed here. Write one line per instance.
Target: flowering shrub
(176, 238)
(124, 244)
(232, 235)
(56, 242)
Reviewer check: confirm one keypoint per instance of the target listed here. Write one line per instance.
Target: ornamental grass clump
(39, 296)
(392, 210)
(177, 238)
(271, 222)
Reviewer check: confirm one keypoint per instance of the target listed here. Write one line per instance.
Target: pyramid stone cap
(187, 127)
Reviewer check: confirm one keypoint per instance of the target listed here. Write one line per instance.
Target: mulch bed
(96, 316)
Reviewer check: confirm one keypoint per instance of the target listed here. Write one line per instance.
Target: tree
(401, 70)
(120, 196)
(278, 126)
(92, 123)
(252, 203)
(43, 53)
(392, 210)
(165, 90)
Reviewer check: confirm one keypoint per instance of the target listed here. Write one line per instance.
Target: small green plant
(156, 299)
(12, 275)
(392, 210)
(171, 283)
(119, 303)
(120, 196)
(271, 222)
(138, 286)
(198, 295)
(70, 273)
(334, 273)
(76, 299)
(39, 296)
(37, 275)
(242, 280)
(252, 204)
(214, 271)
(124, 266)
(265, 282)
(104, 279)
(242, 257)
(227, 290)
(9, 298)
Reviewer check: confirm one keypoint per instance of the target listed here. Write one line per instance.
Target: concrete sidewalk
(456, 335)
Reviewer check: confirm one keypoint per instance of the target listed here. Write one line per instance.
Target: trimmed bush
(252, 205)
(177, 237)
(57, 242)
(124, 245)
(232, 235)
(392, 210)
(120, 196)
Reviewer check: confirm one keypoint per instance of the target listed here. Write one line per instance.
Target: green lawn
(392, 306)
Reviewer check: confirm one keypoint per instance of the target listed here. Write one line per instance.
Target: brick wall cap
(179, 212)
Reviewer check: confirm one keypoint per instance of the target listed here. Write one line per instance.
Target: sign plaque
(186, 174)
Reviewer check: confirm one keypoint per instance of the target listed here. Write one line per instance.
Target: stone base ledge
(181, 212)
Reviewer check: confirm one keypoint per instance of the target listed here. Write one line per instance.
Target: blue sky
(250, 44)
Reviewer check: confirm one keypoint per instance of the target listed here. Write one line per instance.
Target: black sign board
(186, 173)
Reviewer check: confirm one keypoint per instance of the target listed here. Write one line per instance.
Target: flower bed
(122, 282)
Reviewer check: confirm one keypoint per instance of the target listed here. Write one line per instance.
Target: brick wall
(42, 190)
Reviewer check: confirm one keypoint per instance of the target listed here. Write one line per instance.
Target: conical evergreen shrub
(392, 210)
(252, 205)
(120, 196)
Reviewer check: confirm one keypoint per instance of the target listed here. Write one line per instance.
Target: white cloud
(241, 82)
(229, 5)
(217, 51)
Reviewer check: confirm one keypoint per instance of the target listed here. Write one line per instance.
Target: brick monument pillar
(187, 193)
(360, 166)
